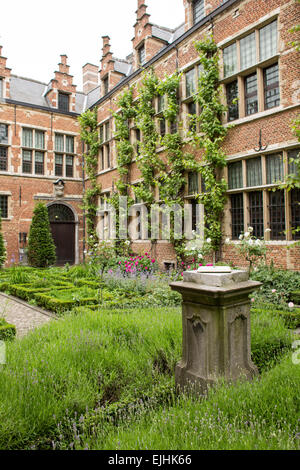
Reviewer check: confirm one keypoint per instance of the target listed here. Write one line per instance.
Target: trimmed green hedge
(60, 305)
(4, 286)
(27, 291)
(7, 331)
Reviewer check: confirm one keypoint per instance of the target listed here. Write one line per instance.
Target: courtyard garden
(102, 375)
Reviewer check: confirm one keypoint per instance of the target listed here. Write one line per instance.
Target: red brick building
(40, 147)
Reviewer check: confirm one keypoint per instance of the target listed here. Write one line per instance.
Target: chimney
(90, 77)
(106, 52)
(5, 76)
(142, 11)
(63, 67)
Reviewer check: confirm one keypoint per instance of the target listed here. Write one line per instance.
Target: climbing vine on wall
(125, 149)
(209, 138)
(169, 173)
(89, 135)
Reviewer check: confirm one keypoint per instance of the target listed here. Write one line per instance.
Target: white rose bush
(251, 248)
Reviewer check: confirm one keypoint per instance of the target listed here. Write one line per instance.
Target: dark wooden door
(64, 239)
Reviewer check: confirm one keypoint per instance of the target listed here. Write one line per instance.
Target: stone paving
(25, 317)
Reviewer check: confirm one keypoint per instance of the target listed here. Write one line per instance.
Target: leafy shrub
(163, 296)
(279, 280)
(295, 297)
(41, 248)
(7, 331)
(27, 291)
(270, 339)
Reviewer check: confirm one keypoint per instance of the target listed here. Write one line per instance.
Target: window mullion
(241, 95)
(266, 213)
(260, 89)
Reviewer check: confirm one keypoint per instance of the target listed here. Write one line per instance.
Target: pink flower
(273, 291)
(252, 300)
(146, 254)
(136, 263)
(146, 267)
(182, 263)
(193, 260)
(189, 267)
(181, 274)
(291, 305)
(120, 262)
(209, 265)
(153, 261)
(200, 264)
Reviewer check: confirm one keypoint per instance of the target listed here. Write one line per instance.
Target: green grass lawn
(105, 380)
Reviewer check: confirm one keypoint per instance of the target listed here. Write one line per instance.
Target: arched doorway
(62, 222)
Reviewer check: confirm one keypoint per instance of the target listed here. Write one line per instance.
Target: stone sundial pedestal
(216, 327)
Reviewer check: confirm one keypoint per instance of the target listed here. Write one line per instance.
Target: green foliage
(282, 281)
(41, 248)
(101, 257)
(98, 377)
(270, 338)
(295, 296)
(2, 247)
(258, 415)
(7, 331)
(80, 364)
(251, 248)
(210, 138)
(89, 135)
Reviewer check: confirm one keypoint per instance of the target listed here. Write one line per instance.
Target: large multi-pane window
(3, 134)
(268, 41)
(251, 94)
(190, 83)
(198, 10)
(277, 214)
(3, 147)
(237, 215)
(193, 185)
(254, 49)
(33, 151)
(271, 86)
(256, 213)
(254, 172)
(105, 85)
(274, 168)
(192, 108)
(232, 100)
(230, 60)
(63, 101)
(295, 213)
(64, 155)
(4, 206)
(104, 152)
(292, 167)
(142, 55)
(254, 203)
(248, 51)
(235, 175)
(3, 159)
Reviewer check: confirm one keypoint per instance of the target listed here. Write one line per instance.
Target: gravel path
(25, 317)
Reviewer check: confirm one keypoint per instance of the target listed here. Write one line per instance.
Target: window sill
(250, 70)
(255, 116)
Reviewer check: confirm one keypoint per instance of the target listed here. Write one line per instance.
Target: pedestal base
(216, 330)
